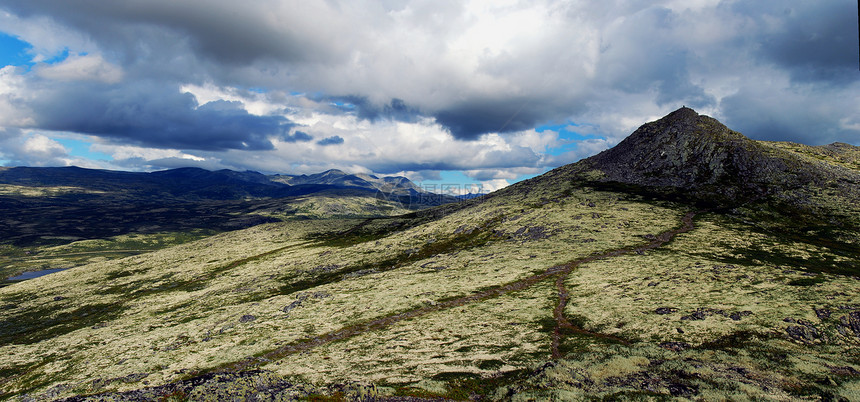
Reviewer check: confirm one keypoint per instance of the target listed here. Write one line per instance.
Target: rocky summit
(810, 192)
(704, 158)
(687, 263)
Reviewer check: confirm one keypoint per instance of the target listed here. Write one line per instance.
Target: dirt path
(562, 323)
(560, 271)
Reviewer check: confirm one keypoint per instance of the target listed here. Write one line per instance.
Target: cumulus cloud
(420, 176)
(497, 174)
(491, 185)
(35, 149)
(43, 146)
(422, 85)
(13, 98)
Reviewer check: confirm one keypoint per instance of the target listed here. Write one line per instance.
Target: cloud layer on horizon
(416, 86)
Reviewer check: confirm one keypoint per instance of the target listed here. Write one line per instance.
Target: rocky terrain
(688, 262)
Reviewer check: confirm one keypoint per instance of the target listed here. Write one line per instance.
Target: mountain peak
(677, 150)
(701, 156)
(683, 113)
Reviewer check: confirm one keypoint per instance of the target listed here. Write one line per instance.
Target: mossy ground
(16, 260)
(177, 313)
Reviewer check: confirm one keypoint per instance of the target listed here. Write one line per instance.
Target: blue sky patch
(13, 51)
(81, 149)
(566, 137)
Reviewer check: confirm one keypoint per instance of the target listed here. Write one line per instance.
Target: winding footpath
(563, 323)
(561, 272)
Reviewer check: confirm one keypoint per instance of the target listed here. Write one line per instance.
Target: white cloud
(13, 95)
(493, 185)
(584, 149)
(81, 68)
(39, 144)
(131, 152)
(495, 174)
(34, 149)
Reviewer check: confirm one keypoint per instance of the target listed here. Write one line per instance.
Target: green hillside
(593, 281)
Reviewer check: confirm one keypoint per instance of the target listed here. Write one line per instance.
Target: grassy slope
(745, 317)
(845, 155)
(172, 306)
(267, 291)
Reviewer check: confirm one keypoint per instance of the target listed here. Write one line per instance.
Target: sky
(478, 93)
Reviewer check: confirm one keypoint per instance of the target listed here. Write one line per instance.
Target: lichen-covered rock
(675, 346)
(699, 314)
(737, 315)
(683, 390)
(803, 333)
(248, 385)
(852, 322)
(822, 313)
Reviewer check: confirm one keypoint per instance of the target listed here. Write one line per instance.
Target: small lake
(35, 274)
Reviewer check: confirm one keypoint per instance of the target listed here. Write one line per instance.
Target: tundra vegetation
(565, 286)
(62, 234)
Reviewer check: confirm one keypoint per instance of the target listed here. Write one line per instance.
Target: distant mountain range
(389, 184)
(201, 184)
(62, 204)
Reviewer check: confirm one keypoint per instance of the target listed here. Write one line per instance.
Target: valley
(64, 217)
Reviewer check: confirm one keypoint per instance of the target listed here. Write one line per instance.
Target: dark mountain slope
(707, 160)
(183, 183)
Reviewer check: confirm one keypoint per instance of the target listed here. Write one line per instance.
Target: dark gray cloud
(396, 109)
(298, 136)
(333, 140)
(468, 120)
(797, 117)
(224, 31)
(815, 41)
(9, 132)
(149, 114)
